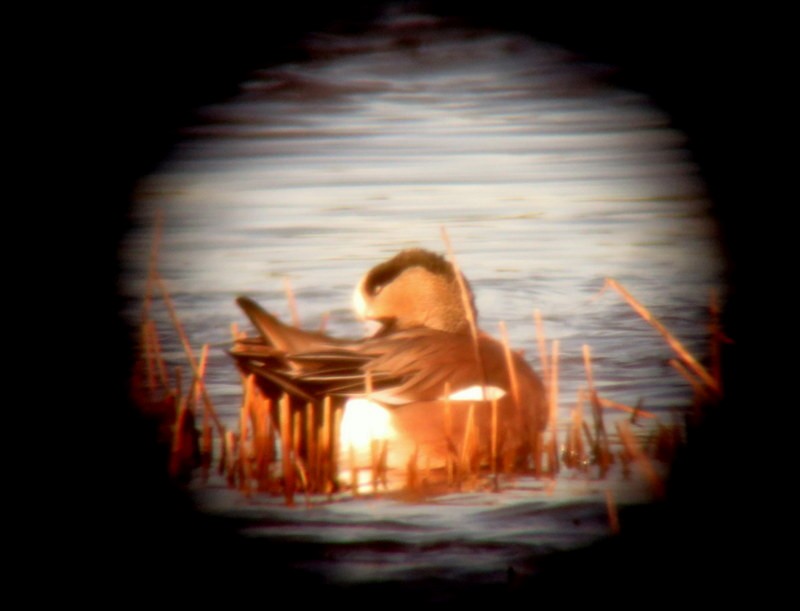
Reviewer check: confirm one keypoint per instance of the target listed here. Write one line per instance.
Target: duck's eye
(376, 290)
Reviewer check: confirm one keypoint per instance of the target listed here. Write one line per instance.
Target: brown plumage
(423, 347)
(415, 288)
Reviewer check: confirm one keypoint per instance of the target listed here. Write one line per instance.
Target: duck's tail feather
(282, 336)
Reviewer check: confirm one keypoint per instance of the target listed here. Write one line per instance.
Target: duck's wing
(407, 366)
(343, 371)
(432, 364)
(265, 356)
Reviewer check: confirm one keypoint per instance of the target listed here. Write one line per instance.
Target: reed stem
(335, 447)
(152, 267)
(470, 314)
(245, 449)
(553, 395)
(231, 461)
(353, 469)
(147, 350)
(522, 426)
(325, 447)
(637, 411)
(635, 451)
(155, 343)
(673, 343)
(264, 447)
(448, 435)
(188, 350)
(542, 343)
(494, 445)
(587, 363)
(286, 449)
(466, 444)
(311, 446)
(374, 451)
(602, 454)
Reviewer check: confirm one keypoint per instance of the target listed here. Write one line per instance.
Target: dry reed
(552, 393)
(353, 469)
(466, 302)
(602, 453)
(154, 360)
(286, 449)
(335, 447)
(183, 443)
(519, 414)
(149, 357)
(312, 441)
(468, 443)
(635, 451)
(494, 445)
(297, 433)
(206, 436)
(693, 365)
(309, 439)
(264, 437)
(412, 471)
(633, 411)
(231, 461)
(374, 455)
(574, 453)
(542, 344)
(245, 453)
(152, 265)
(328, 452)
(187, 350)
(302, 473)
(450, 452)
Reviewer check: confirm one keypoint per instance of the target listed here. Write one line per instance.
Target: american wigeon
(424, 346)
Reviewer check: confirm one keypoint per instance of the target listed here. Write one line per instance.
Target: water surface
(547, 180)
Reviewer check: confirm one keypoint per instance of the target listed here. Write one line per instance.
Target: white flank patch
(363, 422)
(475, 393)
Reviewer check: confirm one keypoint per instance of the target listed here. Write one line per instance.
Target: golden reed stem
(286, 449)
(152, 267)
(626, 408)
(553, 395)
(634, 449)
(467, 304)
(188, 350)
(673, 343)
(522, 426)
(542, 344)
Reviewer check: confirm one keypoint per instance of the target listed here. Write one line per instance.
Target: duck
(417, 376)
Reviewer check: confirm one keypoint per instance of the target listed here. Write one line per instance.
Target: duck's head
(415, 288)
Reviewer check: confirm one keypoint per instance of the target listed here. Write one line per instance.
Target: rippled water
(546, 179)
